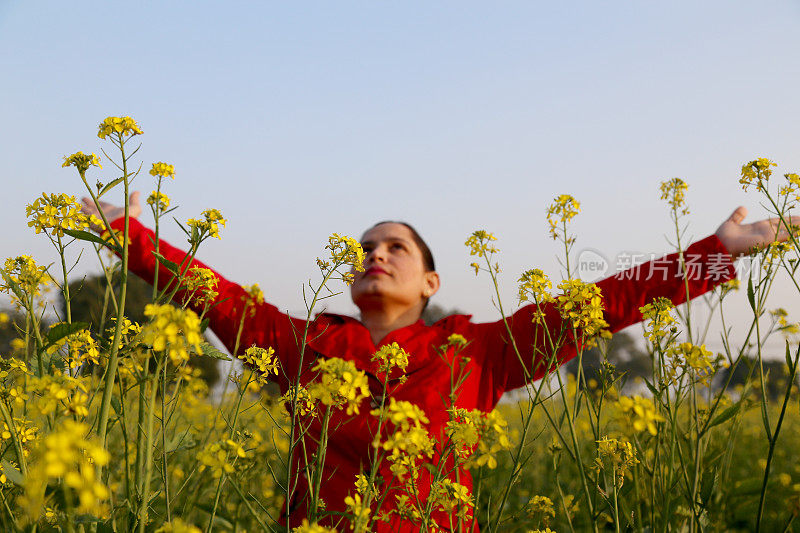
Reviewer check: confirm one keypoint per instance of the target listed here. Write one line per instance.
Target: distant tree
(775, 372)
(87, 303)
(435, 312)
(623, 352)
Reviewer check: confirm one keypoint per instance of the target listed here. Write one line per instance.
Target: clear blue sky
(298, 119)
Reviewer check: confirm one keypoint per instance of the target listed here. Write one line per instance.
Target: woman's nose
(378, 253)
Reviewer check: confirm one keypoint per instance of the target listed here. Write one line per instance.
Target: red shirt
(493, 367)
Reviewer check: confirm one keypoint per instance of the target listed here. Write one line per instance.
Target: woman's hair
(427, 256)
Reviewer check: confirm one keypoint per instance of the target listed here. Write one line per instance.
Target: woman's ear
(432, 284)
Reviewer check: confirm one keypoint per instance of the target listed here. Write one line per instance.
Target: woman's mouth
(374, 271)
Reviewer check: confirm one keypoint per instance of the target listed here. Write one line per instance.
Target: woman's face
(394, 272)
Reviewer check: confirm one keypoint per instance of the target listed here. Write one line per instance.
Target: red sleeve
(708, 264)
(264, 325)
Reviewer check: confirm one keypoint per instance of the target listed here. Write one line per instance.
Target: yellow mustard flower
(391, 356)
(641, 412)
(307, 527)
(339, 384)
(262, 362)
(159, 200)
(209, 226)
(561, 211)
(479, 244)
(122, 126)
(178, 526)
(756, 172)
(82, 161)
(674, 192)
(55, 213)
(163, 169)
(172, 329)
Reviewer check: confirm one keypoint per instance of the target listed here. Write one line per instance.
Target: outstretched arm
(707, 263)
(264, 325)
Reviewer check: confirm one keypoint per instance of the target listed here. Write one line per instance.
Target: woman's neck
(381, 322)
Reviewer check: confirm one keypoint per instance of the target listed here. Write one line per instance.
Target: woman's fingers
(738, 215)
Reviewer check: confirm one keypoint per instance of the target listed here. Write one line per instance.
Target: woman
(391, 293)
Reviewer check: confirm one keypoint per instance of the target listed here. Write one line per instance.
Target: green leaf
(115, 403)
(707, 484)
(650, 387)
(210, 351)
(172, 267)
(91, 237)
(59, 331)
(725, 415)
(13, 475)
(204, 325)
(788, 356)
(751, 295)
(15, 288)
(110, 185)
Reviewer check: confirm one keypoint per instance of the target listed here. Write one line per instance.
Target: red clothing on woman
(493, 367)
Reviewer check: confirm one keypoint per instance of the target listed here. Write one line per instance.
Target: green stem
(111, 367)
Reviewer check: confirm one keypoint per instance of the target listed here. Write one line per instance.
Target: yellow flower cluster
(359, 511)
(212, 219)
(792, 186)
(617, 455)
(674, 192)
(391, 356)
(57, 212)
(178, 526)
(641, 413)
(661, 322)
(541, 506)
(60, 393)
(122, 126)
(299, 398)
(339, 384)
(780, 315)
(255, 293)
(457, 340)
(691, 357)
(534, 286)
(162, 169)
(25, 431)
(307, 527)
(81, 161)
(23, 272)
(756, 172)
(65, 455)
(219, 457)
(81, 347)
(479, 244)
(344, 251)
(582, 305)
(172, 329)
(775, 251)
(489, 431)
(262, 362)
(410, 440)
(201, 283)
(448, 495)
(158, 200)
(561, 211)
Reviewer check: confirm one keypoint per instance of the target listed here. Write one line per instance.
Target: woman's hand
(112, 211)
(740, 238)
